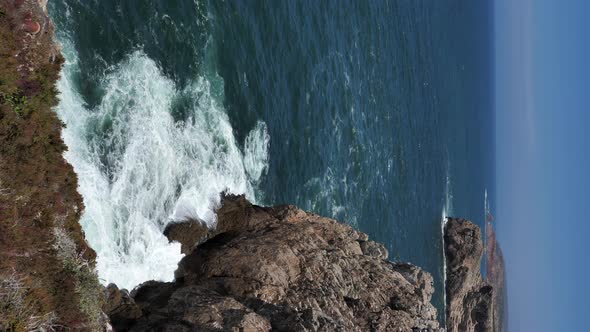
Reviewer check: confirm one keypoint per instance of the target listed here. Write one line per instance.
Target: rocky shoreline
(280, 268)
(470, 298)
(496, 277)
(260, 269)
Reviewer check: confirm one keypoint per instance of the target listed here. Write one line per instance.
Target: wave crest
(150, 153)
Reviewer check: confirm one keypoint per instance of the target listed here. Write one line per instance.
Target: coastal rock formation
(281, 268)
(469, 298)
(496, 276)
(260, 269)
(120, 307)
(192, 232)
(188, 233)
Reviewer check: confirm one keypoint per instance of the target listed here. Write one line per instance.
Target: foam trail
(447, 211)
(139, 167)
(256, 152)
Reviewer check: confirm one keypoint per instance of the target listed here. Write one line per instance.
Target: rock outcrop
(496, 277)
(281, 268)
(192, 232)
(120, 307)
(469, 297)
(189, 233)
(261, 269)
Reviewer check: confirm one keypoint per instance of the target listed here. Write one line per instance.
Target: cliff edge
(47, 280)
(276, 268)
(496, 276)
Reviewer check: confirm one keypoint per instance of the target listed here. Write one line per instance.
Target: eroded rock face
(169, 306)
(469, 298)
(496, 277)
(281, 268)
(120, 307)
(188, 233)
(192, 232)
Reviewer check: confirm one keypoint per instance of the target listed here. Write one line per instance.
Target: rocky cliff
(261, 268)
(46, 269)
(496, 277)
(469, 297)
(279, 268)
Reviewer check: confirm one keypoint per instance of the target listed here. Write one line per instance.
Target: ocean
(376, 113)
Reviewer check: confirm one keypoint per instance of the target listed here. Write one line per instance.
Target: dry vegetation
(17, 313)
(46, 268)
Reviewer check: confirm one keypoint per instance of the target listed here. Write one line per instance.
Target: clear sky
(543, 160)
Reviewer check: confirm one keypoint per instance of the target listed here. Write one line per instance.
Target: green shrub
(16, 101)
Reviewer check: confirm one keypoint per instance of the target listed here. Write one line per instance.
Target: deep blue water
(379, 113)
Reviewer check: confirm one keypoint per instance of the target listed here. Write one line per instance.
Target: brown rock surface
(192, 232)
(469, 298)
(496, 276)
(120, 307)
(281, 268)
(188, 233)
(193, 308)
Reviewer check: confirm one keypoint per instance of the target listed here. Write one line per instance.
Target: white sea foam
(139, 169)
(325, 191)
(448, 199)
(256, 152)
(447, 211)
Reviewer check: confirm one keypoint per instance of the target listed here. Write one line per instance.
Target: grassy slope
(45, 264)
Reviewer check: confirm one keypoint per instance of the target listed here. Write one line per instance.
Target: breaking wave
(150, 152)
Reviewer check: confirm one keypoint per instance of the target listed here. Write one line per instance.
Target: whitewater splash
(447, 211)
(139, 167)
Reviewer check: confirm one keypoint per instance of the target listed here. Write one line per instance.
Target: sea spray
(256, 152)
(140, 165)
(446, 212)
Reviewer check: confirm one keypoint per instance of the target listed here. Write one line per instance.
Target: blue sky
(543, 160)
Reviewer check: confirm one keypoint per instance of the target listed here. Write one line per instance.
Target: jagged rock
(120, 307)
(281, 268)
(188, 233)
(469, 298)
(192, 232)
(372, 248)
(495, 276)
(193, 308)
